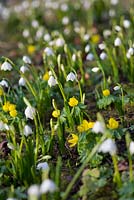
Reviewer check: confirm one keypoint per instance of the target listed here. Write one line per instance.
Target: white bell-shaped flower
(131, 147)
(117, 42)
(22, 82)
(48, 51)
(52, 81)
(6, 66)
(26, 60)
(108, 146)
(47, 186)
(23, 69)
(98, 127)
(71, 77)
(33, 190)
(27, 130)
(30, 112)
(4, 83)
(43, 166)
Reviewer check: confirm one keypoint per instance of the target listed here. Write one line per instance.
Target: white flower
(26, 33)
(30, 112)
(74, 57)
(126, 23)
(90, 56)
(48, 51)
(117, 42)
(87, 48)
(103, 56)
(64, 7)
(52, 81)
(108, 146)
(59, 42)
(33, 190)
(117, 28)
(35, 24)
(4, 83)
(86, 37)
(130, 52)
(106, 33)
(10, 146)
(102, 46)
(116, 88)
(114, 2)
(95, 69)
(3, 126)
(43, 166)
(47, 186)
(65, 20)
(22, 82)
(6, 66)
(98, 127)
(26, 60)
(23, 69)
(10, 198)
(112, 13)
(47, 37)
(71, 77)
(27, 130)
(131, 147)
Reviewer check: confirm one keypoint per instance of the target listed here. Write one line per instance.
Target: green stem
(78, 173)
(117, 178)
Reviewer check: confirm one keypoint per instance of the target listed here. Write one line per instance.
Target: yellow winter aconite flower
(73, 141)
(85, 126)
(1, 92)
(6, 106)
(56, 113)
(31, 49)
(106, 92)
(12, 107)
(13, 113)
(46, 76)
(112, 123)
(95, 38)
(73, 102)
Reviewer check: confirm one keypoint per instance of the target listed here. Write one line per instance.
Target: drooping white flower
(10, 146)
(131, 147)
(98, 127)
(6, 66)
(43, 166)
(117, 42)
(65, 20)
(108, 146)
(26, 60)
(10, 198)
(116, 88)
(47, 37)
(22, 82)
(86, 37)
(64, 7)
(48, 51)
(102, 46)
(59, 42)
(4, 83)
(35, 23)
(26, 33)
(33, 190)
(47, 186)
(3, 126)
(117, 28)
(30, 112)
(27, 130)
(103, 56)
(71, 77)
(74, 57)
(90, 57)
(52, 81)
(95, 69)
(126, 23)
(106, 33)
(23, 69)
(114, 2)
(87, 48)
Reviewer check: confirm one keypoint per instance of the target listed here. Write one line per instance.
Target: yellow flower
(112, 123)
(95, 38)
(106, 92)
(6, 106)
(56, 113)
(73, 141)
(46, 76)
(31, 49)
(12, 107)
(73, 102)
(85, 126)
(13, 113)
(1, 92)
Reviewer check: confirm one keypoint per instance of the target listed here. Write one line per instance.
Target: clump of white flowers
(71, 77)
(108, 146)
